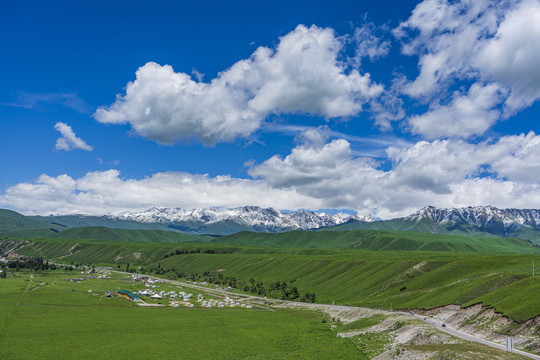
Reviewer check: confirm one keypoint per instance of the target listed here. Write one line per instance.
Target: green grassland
(13, 224)
(46, 317)
(104, 233)
(381, 240)
(387, 279)
(382, 279)
(426, 226)
(99, 252)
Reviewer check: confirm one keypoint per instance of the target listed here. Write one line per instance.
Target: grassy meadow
(388, 279)
(398, 279)
(380, 240)
(46, 317)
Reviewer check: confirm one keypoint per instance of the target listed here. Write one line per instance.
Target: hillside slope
(69, 221)
(382, 279)
(12, 223)
(108, 234)
(380, 240)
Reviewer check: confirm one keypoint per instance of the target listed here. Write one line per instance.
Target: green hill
(104, 233)
(427, 226)
(13, 223)
(404, 224)
(398, 280)
(383, 279)
(69, 221)
(380, 240)
(103, 252)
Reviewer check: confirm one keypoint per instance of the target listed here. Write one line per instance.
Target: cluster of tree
(308, 297)
(196, 251)
(182, 252)
(129, 269)
(33, 263)
(276, 289)
(210, 278)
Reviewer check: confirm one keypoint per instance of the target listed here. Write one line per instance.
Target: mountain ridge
(252, 218)
(473, 220)
(485, 221)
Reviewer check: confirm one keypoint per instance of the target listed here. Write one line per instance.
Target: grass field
(52, 321)
(110, 234)
(383, 279)
(391, 279)
(44, 316)
(381, 240)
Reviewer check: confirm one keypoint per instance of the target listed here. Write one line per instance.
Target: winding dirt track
(437, 325)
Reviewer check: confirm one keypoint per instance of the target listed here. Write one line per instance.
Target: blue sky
(377, 108)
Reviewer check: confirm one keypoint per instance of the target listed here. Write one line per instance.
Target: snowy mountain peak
(254, 217)
(482, 217)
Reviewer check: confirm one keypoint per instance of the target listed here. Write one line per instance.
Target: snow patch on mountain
(258, 218)
(483, 217)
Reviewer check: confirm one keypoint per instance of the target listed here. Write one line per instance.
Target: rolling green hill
(404, 224)
(13, 223)
(104, 233)
(388, 279)
(380, 240)
(70, 221)
(104, 252)
(427, 226)
(373, 268)
(382, 279)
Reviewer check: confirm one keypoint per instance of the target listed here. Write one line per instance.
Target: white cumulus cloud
(69, 141)
(436, 172)
(467, 114)
(319, 172)
(489, 44)
(303, 74)
(106, 191)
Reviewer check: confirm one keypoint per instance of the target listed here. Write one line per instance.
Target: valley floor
(403, 329)
(55, 314)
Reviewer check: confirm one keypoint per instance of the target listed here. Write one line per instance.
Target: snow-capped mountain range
(251, 217)
(468, 221)
(483, 221)
(485, 218)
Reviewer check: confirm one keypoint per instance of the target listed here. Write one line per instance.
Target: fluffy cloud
(437, 173)
(466, 115)
(106, 191)
(511, 57)
(313, 163)
(368, 44)
(318, 173)
(490, 44)
(516, 157)
(302, 75)
(69, 141)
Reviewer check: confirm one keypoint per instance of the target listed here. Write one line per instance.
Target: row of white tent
(163, 294)
(221, 304)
